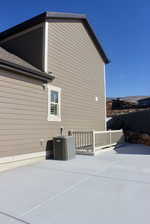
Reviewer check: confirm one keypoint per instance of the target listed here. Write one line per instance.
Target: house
(52, 75)
(145, 102)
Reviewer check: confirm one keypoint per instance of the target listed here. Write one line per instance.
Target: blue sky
(121, 25)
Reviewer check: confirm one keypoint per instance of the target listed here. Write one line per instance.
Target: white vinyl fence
(90, 142)
(104, 139)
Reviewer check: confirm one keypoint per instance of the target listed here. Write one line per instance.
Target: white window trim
(50, 116)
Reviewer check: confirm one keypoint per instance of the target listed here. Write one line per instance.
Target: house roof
(13, 62)
(5, 55)
(55, 15)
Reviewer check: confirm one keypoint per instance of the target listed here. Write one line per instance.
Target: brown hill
(124, 105)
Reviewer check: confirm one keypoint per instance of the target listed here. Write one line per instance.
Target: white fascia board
(45, 47)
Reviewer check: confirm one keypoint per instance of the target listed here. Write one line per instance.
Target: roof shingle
(15, 63)
(7, 56)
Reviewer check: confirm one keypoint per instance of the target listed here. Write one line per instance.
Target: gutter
(26, 71)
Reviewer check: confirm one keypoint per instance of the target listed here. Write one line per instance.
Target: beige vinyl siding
(23, 115)
(79, 71)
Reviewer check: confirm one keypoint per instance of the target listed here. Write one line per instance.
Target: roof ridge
(66, 14)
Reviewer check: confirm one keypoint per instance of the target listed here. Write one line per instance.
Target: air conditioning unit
(64, 147)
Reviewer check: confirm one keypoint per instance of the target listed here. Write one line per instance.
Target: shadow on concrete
(132, 149)
(49, 150)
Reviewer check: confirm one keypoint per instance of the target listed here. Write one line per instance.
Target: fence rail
(103, 139)
(83, 141)
(90, 142)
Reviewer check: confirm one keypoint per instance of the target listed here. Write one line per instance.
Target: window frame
(52, 117)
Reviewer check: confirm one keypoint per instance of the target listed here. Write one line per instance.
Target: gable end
(54, 15)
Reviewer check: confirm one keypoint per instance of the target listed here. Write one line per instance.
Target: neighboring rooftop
(56, 15)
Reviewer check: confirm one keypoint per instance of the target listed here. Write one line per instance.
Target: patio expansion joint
(57, 195)
(14, 218)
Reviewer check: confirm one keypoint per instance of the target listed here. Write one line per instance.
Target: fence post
(110, 137)
(93, 135)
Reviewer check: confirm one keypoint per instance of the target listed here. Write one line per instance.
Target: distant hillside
(124, 105)
(132, 99)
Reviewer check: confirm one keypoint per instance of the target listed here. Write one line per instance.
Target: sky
(122, 26)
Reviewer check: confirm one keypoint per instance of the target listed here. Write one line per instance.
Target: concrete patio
(112, 187)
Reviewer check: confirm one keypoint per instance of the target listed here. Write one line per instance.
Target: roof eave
(97, 42)
(26, 71)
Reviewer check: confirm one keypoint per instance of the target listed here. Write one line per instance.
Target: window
(54, 97)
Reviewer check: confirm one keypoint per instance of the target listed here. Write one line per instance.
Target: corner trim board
(46, 47)
(105, 97)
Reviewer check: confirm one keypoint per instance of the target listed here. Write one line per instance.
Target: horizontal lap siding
(79, 71)
(23, 115)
